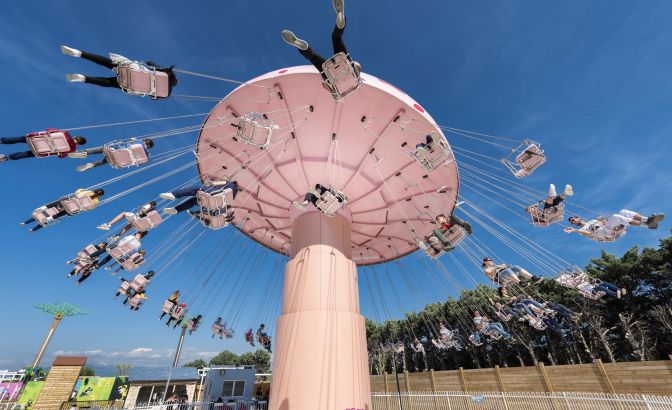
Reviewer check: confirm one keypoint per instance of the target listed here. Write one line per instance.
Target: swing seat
(125, 154)
(74, 204)
(136, 301)
(214, 222)
(130, 264)
(249, 338)
(340, 75)
(474, 341)
(87, 252)
(139, 283)
(256, 130)
(192, 326)
(505, 317)
(438, 344)
(493, 334)
(215, 202)
(588, 293)
(528, 157)
(228, 333)
(145, 223)
(433, 155)
(167, 307)
(546, 217)
(177, 312)
(137, 79)
(604, 235)
(124, 288)
(124, 248)
(47, 143)
(331, 201)
(537, 323)
(572, 276)
(434, 248)
(45, 216)
(217, 329)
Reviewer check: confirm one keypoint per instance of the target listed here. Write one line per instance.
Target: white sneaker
(339, 8)
(170, 211)
(78, 154)
(69, 51)
(551, 191)
(299, 205)
(112, 239)
(618, 294)
(75, 78)
(167, 195)
(3, 158)
(104, 227)
(569, 191)
(85, 167)
(292, 40)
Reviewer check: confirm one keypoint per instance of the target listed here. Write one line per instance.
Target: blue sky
(588, 79)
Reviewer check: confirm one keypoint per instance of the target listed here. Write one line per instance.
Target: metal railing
(518, 401)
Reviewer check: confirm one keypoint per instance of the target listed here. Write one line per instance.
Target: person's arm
(579, 231)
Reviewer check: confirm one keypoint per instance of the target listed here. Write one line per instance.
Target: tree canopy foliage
(635, 327)
(260, 358)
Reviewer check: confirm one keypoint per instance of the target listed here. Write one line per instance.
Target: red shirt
(445, 226)
(71, 142)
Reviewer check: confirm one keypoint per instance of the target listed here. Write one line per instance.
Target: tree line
(636, 327)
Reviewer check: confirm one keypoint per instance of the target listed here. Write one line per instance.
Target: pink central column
(320, 350)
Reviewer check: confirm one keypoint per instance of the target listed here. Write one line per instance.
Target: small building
(228, 383)
(148, 384)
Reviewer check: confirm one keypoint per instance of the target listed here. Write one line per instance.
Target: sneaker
(104, 227)
(112, 239)
(167, 195)
(624, 291)
(78, 154)
(299, 205)
(537, 279)
(108, 268)
(292, 40)
(193, 214)
(170, 211)
(75, 78)
(3, 158)
(31, 230)
(85, 167)
(569, 191)
(551, 191)
(618, 294)
(654, 220)
(339, 8)
(69, 51)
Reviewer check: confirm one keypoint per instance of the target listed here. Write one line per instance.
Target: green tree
(261, 359)
(198, 363)
(122, 369)
(225, 358)
(87, 371)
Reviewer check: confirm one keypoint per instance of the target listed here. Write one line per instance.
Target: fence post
(407, 382)
(463, 381)
(433, 384)
(646, 399)
(547, 383)
(387, 392)
(502, 389)
(605, 376)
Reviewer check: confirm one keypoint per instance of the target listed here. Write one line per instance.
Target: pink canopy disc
(361, 146)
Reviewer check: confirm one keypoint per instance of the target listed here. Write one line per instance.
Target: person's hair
(150, 273)
(99, 192)
(486, 260)
(142, 251)
(148, 142)
(79, 140)
(441, 216)
(152, 204)
(262, 325)
(574, 218)
(172, 79)
(103, 244)
(142, 234)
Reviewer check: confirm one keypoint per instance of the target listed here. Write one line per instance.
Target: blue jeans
(192, 190)
(563, 310)
(13, 140)
(607, 288)
(17, 155)
(497, 327)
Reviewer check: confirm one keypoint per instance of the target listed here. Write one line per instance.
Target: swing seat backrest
(137, 80)
(255, 130)
(191, 326)
(217, 329)
(75, 204)
(144, 224)
(216, 201)
(433, 155)
(340, 75)
(48, 143)
(87, 252)
(45, 216)
(505, 317)
(136, 301)
(133, 262)
(331, 201)
(177, 312)
(124, 248)
(124, 154)
(604, 235)
(546, 217)
(427, 247)
(531, 158)
(167, 306)
(139, 283)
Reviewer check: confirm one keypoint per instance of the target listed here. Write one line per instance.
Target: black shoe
(653, 221)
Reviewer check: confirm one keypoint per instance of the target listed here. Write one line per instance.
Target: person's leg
(508, 277)
(117, 218)
(100, 60)
(21, 155)
(104, 261)
(337, 40)
(625, 218)
(125, 229)
(98, 163)
(93, 151)
(439, 235)
(524, 309)
(13, 140)
(314, 58)
(520, 271)
(110, 82)
(603, 287)
(563, 310)
(188, 204)
(184, 192)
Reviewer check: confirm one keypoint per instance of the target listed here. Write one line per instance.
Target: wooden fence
(654, 377)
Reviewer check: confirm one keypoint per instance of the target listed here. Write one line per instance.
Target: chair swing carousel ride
(329, 172)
